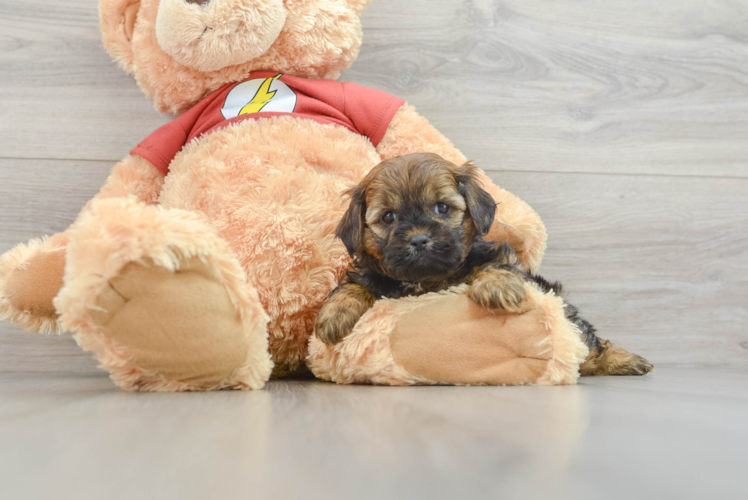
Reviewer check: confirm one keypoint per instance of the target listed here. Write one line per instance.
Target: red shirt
(361, 110)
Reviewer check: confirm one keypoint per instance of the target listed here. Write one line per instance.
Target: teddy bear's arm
(410, 132)
(134, 176)
(31, 274)
(516, 222)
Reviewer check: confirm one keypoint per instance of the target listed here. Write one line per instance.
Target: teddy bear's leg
(31, 273)
(162, 301)
(30, 277)
(516, 222)
(445, 338)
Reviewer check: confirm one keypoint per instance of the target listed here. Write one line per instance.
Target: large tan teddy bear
(203, 260)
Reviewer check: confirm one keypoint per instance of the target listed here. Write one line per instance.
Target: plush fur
(318, 39)
(118, 231)
(258, 202)
(367, 355)
(278, 208)
(205, 36)
(17, 260)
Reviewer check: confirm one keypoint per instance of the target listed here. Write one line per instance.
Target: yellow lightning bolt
(261, 98)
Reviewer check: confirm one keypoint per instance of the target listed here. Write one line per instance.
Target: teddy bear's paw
(162, 301)
(30, 278)
(180, 326)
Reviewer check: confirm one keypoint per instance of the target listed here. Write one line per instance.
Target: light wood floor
(676, 434)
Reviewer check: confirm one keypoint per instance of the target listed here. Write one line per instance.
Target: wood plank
(582, 87)
(652, 87)
(62, 96)
(43, 197)
(658, 264)
(677, 433)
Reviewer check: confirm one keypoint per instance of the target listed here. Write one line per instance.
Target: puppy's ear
(481, 205)
(351, 227)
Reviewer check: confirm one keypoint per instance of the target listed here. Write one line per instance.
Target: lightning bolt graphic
(261, 98)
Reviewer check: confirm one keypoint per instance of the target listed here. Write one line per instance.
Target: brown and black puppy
(415, 225)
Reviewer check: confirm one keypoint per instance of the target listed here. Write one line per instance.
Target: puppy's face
(415, 217)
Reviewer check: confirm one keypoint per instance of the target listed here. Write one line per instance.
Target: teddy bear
(203, 260)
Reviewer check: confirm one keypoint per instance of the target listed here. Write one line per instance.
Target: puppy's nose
(419, 241)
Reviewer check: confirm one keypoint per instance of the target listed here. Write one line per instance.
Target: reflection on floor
(677, 433)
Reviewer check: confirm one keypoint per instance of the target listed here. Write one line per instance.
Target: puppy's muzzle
(420, 242)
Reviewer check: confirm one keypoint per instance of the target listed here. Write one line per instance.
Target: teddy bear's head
(181, 50)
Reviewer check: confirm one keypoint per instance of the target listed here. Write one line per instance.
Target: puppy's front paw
(498, 289)
(333, 324)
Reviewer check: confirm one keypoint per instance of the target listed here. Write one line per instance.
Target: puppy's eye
(441, 208)
(389, 217)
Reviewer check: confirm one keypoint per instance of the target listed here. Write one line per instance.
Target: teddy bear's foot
(180, 324)
(30, 278)
(161, 300)
(417, 340)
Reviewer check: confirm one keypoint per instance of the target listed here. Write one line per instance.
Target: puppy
(416, 225)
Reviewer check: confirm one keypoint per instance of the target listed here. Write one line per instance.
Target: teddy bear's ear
(117, 21)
